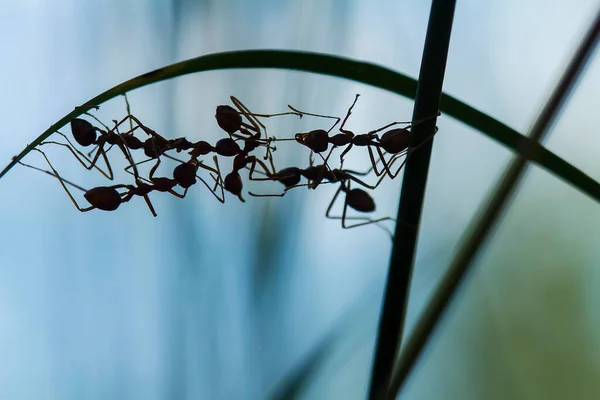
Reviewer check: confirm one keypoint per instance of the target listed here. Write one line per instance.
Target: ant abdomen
(103, 198)
(360, 200)
(185, 174)
(83, 132)
(227, 147)
(395, 140)
(233, 184)
(228, 118)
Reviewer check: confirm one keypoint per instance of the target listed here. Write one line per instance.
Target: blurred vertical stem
(427, 101)
(492, 211)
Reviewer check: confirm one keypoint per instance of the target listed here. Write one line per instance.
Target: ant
(106, 198)
(394, 141)
(356, 198)
(85, 134)
(156, 145)
(185, 175)
(226, 147)
(233, 181)
(315, 174)
(230, 120)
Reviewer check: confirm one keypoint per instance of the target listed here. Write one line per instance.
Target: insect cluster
(245, 134)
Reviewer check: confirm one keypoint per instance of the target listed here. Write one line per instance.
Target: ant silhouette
(233, 181)
(156, 145)
(185, 175)
(85, 134)
(394, 141)
(356, 198)
(230, 120)
(106, 198)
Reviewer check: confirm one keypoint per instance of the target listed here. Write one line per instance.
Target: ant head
(103, 198)
(289, 176)
(360, 200)
(227, 147)
(228, 118)
(395, 140)
(185, 174)
(83, 132)
(317, 140)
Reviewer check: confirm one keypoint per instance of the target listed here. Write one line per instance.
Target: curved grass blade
(367, 73)
(491, 213)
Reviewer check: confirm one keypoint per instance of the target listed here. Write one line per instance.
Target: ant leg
(246, 112)
(129, 167)
(270, 175)
(150, 206)
(51, 174)
(337, 119)
(382, 177)
(255, 124)
(218, 179)
(348, 116)
(420, 121)
(346, 150)
(266, 195)
(97, 120)
(79, 156)
(128, 108)
(411, 124)
(129, 195)
(62, 182)
(386, 168)
(344, 217)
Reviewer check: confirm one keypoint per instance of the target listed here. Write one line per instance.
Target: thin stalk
(492, 212)
(427, 103)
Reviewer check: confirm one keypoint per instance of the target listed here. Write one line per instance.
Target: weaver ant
(356, 198)
(395, 141)
(230, 120)
(85, 134)
(106, 198)
(233, 181)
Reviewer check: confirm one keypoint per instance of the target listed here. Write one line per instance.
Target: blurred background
(213, 301)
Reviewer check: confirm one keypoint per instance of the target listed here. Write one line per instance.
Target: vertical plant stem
(491, 213)
(429, 90)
